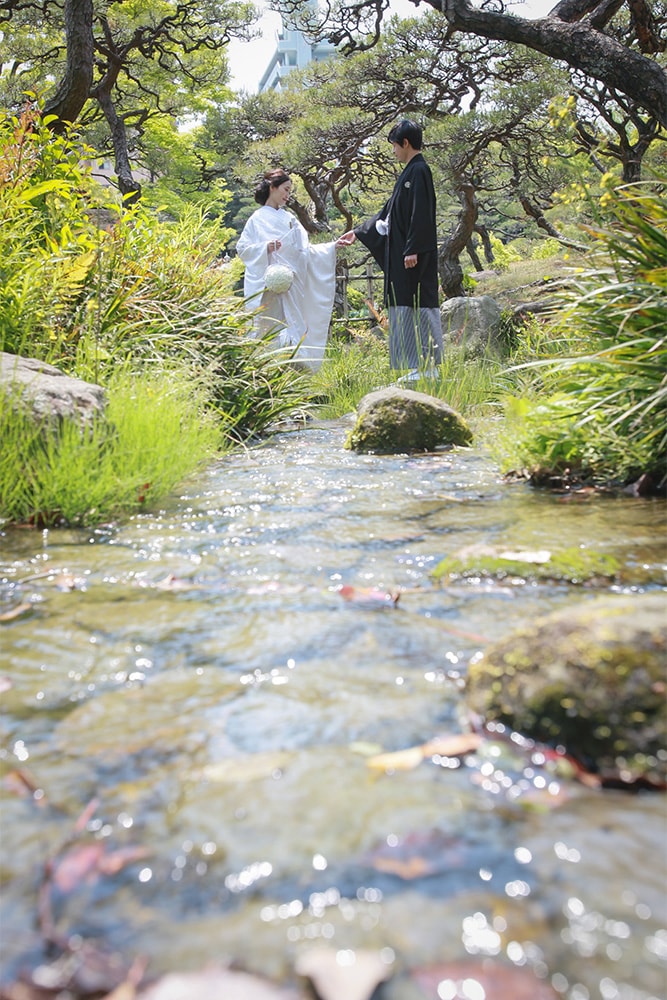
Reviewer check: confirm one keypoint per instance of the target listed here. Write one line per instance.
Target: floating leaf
(22, 783)
(456, 745)
(418, 855)
(368, 596)
(399, 760)
(16, 612)
(453, 745)
(215, 984)
(248, 768)
(84, 863)
(344, 974)
(487, 979)
(76, 866)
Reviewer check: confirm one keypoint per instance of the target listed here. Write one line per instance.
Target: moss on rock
(396, 421)
(591, 679)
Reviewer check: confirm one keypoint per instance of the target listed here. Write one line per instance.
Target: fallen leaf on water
(344, 974)
(369, 596)
(15, 612)
(114, 861)
(398, 760)
(77, 865)
(364, 748)
(456, 745)
(171, 582)
(84, 863)
(248, 768)
(453, 745)
(418, 855)
(483, 978)
(215, 984)
(22, 783)
(67, 581)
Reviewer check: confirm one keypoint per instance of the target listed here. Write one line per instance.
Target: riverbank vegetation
(137, 305)
(541, 205)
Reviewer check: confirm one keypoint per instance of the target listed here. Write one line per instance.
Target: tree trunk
(580, 45)
(129, 188)
(485, 237)
(74, 88)
(472, 253)
(449, 266)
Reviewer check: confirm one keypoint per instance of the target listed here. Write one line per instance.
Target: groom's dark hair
(409, 130)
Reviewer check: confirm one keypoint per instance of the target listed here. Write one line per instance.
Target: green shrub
(154, 434)
(503, 254)
(546, 249)
(610, 394)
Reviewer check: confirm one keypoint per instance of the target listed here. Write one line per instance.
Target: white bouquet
(278, 277)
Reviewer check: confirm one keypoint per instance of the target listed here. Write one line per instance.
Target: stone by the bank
(472, 323)
(49, 394)
(396, 421)
(591, 679)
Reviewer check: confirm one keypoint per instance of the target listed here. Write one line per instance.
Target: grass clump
(94, 289)
(156, 431)
(601, 415)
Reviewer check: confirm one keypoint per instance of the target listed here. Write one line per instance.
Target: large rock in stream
(395, 421)
(591, 679)
(48, 394)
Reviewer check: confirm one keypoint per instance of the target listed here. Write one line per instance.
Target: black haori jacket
(410, 216)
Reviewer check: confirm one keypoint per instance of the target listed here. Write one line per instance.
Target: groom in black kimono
(402, 238)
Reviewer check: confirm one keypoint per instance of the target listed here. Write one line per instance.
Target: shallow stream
(219, 676)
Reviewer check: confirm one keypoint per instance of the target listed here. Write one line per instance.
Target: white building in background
(293, 51)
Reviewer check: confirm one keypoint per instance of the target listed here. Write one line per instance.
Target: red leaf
(79, 864)
(369, 596)
(492, 980)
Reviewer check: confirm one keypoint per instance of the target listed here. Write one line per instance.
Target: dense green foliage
(602, 410)
(96, 290)
(155, 432)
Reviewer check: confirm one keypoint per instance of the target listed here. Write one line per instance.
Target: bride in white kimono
(300, 315)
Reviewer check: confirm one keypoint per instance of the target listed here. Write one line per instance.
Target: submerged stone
(573, 564)
(590, 679)
(395, 421)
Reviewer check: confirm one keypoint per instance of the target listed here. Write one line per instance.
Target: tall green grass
(354, 368)
(155, 433)
(601, 415)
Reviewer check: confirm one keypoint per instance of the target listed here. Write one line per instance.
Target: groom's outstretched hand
(347, 239)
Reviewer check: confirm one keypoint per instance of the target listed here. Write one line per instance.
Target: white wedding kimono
(301, 315)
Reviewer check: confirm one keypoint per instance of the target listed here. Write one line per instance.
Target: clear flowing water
(199, 672)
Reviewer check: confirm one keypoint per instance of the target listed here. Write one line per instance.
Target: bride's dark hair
(271, 179)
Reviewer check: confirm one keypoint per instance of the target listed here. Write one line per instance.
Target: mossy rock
(573, 564)
(590, 679)
(396, 421)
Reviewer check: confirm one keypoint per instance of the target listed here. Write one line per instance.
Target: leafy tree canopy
(619, 43)
(120, 63)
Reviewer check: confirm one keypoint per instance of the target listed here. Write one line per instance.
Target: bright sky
(248, 60)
